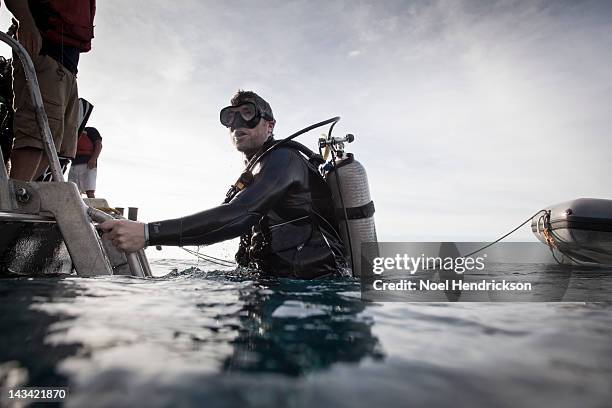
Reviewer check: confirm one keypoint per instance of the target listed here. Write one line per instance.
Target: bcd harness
(246, 178)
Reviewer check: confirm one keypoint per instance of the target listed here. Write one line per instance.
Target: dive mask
(245, 115)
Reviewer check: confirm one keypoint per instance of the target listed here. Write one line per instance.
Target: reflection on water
(213, 338)
(294, 327)
(25, 354)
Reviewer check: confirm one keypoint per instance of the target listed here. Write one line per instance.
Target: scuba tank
(348, 183)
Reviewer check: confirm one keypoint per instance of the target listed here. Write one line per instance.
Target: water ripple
(231, 337)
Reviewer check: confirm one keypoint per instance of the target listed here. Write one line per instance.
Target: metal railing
(137, 261)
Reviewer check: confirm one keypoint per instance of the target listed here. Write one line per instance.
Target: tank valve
(337, 141)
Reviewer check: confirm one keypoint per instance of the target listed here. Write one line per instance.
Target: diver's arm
(231, 220)
(28, 33)
(92, 163)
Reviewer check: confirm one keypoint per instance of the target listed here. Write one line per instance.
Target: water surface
(198, 336)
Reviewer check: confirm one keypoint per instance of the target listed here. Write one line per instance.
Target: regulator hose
(247, 177)
(258, 157)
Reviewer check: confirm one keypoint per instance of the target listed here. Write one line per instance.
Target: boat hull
(581, 229)
(29, 247)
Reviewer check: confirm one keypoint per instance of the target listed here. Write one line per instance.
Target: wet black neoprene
(285, 218)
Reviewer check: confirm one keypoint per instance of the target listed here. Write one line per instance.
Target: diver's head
(250, 121)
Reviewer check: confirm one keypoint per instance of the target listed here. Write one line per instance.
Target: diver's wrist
(146, 234)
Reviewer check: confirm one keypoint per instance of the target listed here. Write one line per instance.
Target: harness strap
(357, 213)
(246, 178)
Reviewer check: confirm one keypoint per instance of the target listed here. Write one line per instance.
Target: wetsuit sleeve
(279, 171)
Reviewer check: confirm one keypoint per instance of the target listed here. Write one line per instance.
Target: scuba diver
(282, 209)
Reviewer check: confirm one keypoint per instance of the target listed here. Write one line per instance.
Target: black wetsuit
(285, 218)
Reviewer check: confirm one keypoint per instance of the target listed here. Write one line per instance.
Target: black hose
(256, 158)
(346, 223)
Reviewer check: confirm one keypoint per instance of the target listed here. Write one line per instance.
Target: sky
(469, 116)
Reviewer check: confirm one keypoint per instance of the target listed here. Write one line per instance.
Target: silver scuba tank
(354, 207)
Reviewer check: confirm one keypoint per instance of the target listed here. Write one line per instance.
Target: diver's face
(248, 141)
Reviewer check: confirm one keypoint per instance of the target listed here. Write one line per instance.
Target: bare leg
(25, 162)
(42, 165)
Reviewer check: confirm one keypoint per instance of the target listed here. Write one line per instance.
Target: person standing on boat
(84, 168)
(55, 33)
(285, 215)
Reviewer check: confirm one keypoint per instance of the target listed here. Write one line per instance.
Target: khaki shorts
(83, 177)
(58, 88)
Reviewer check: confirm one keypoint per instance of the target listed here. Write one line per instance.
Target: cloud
(469, 115)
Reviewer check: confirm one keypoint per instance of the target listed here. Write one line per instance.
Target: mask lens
(244, 115)
(227, 116)
(247, 111)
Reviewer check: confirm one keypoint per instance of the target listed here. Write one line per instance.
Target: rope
(109, 210)
(499, 239)
(208, 258)
(547, 233)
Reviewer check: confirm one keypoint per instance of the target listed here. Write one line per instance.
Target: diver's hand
(129, 236)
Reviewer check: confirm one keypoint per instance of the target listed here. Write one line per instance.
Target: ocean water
(196, 336)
